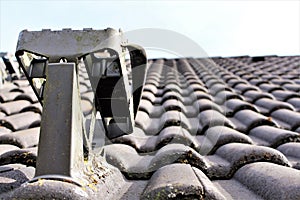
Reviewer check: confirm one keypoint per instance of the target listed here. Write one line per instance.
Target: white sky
(221, 28)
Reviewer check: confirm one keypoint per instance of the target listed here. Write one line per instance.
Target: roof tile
(282, 95)
(35, 107)
(245, 120)
(243, 88)
(244, 154)
(21, 156)
(210, 118)
(267, 106)
(174, 181)
(291, 151)
(270, 181)
(273, 137)
(29, 96)
(143, 166)
(253, 96)
(287, 118)
(269, 87)
(21, 121)
(217, 136)
(3, 129)
(13, 107)
(14, 177)
(23, 139)
(10, 96)
(221, 120)
(232, 106)
(7, 147)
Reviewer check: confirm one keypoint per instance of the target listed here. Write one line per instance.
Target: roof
(219, 128)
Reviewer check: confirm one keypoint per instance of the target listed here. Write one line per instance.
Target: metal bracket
(50, 61)
(3, 73)
(68, 44)
(35, 49)
(9, 66)
(61, 144)
(109, 80)
(138, 59)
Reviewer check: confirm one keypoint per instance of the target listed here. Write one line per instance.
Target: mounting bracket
(8, 66)
(50, 61)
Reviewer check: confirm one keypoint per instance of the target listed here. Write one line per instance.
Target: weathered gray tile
(24, 139)
(174, 181)
(21, 121)
(13, 107)
(270, 181)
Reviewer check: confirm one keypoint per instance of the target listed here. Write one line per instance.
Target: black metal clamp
(9, 69)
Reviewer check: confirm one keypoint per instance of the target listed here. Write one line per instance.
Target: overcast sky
(220, 28)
